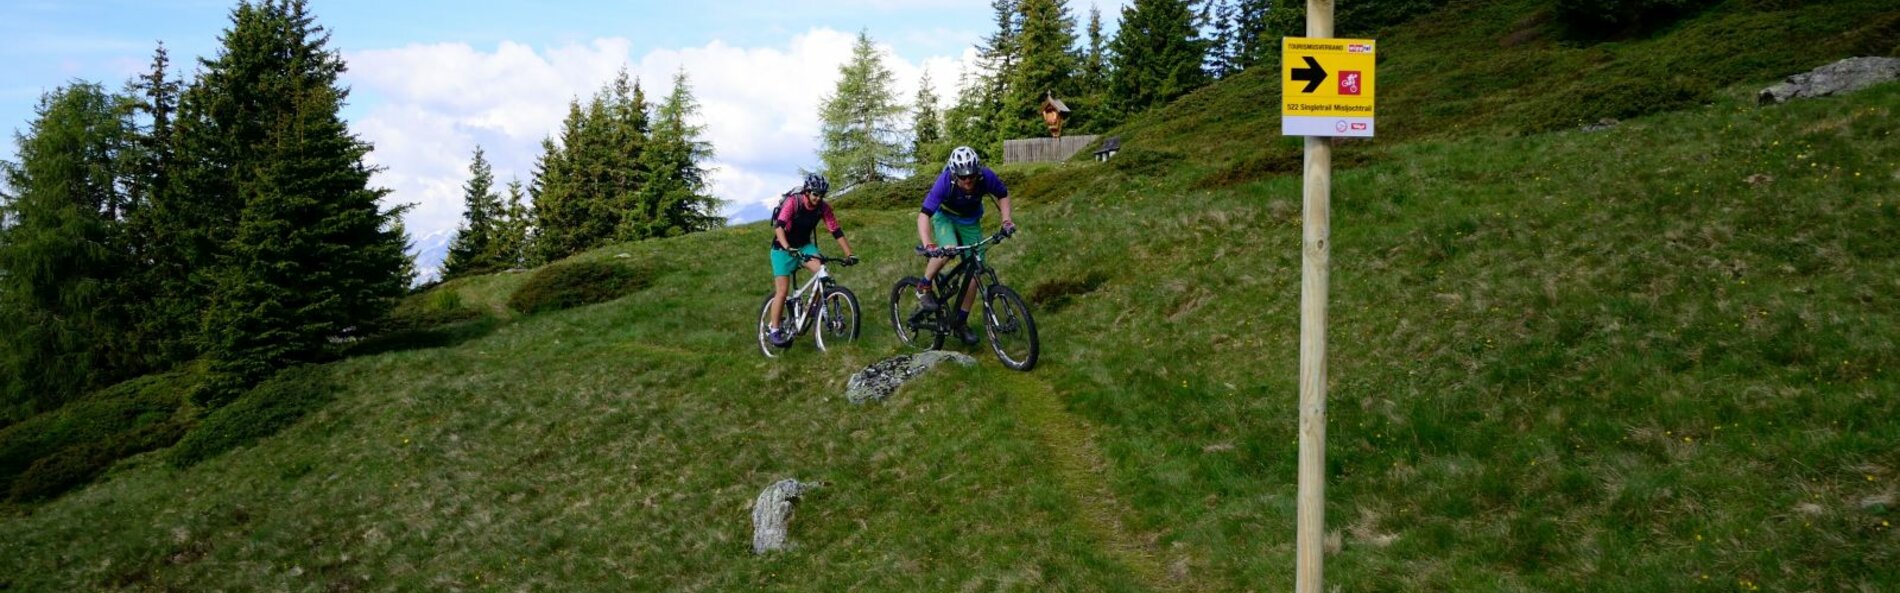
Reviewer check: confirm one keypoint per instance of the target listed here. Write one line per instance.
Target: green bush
(1624, 98)
(1604, 19)
(1143, 161)
(891, 195)
(73, 467)
(569, 285)
(435, 308)
(270, 407)
(108, 420)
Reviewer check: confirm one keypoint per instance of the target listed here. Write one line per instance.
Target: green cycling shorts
(783, 263)
(950, 233)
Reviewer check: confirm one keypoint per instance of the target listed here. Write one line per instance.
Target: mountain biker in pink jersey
(793, 225)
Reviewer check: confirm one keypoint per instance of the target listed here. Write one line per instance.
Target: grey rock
(1602, 124)
(1841, 77)
(772, 514)
(881, 379)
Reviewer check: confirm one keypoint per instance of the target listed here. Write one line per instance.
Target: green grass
(1654, 358)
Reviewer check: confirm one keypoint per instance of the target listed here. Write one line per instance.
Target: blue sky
(430, 80)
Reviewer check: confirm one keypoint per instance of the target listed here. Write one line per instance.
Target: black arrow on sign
(1312, 74)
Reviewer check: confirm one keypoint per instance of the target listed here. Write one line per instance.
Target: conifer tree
(674, 200)
(1223, 54)
(167, 315)
(861, 139)
(64, 268)
(997, 57)
(311, 255)
(927, 148)
(559, 211)
(1095, 60)
(476, 246)
(1158, 56)
(1251, 41)
(512, 237)
(1045, 64)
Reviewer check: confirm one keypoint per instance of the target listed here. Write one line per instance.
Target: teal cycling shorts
(950, 233)
(783, 263)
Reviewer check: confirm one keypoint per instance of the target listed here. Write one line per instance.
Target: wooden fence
(1044, 150)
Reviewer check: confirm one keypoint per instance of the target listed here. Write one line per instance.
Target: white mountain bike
(819, 303)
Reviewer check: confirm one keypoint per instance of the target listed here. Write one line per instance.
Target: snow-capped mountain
(429, 253)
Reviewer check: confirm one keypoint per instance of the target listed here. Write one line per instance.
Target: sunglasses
(969, 177)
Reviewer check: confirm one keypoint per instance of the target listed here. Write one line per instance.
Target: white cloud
(432, 103)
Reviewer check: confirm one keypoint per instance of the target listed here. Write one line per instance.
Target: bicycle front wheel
(914, 328)
(1011, 329)
(765, 329)
(837, 318)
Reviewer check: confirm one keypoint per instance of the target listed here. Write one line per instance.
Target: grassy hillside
(1658, 357)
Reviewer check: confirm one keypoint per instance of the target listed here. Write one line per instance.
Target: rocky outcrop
(1841, 77)
(881, 379)
(772, 514)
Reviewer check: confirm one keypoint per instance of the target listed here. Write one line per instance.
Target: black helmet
(963, 162)
(816, 184)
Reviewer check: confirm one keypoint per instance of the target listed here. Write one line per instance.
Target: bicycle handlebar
(955, 250)
(825, 259)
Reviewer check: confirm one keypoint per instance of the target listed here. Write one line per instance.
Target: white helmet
(964, 162)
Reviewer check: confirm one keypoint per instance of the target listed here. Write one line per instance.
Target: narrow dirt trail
(1080, 467)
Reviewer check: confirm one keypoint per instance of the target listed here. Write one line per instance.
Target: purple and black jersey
(960, 207)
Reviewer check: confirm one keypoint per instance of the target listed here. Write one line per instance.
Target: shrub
(73, 467)
(109, 420)
(1627, 97)
(1605, 19)
(434, 308)
(263, 411)
(1141, 161)
(571, 285)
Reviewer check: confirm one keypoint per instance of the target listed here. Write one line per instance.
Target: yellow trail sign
(1327, 87)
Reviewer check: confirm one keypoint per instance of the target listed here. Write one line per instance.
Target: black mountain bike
(1006, 320)
(821, 303)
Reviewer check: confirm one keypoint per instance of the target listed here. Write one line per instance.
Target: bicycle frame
(803, 314)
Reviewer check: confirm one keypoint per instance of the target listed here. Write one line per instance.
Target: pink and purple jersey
(799, 221)
(965, 208)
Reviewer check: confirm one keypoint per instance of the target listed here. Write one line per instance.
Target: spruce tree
(166, 316)
(861, 135)
(674, 200)
(1095, 60)
(476, 246)
(586, 187)
(312, 256)
(626, 134)
(1223, 54)
(1251, 40)
(65, 307)
(559, 211)
(512, 237)
(1158, 56)
(1045, 64)
(997, 57)
(927, 148)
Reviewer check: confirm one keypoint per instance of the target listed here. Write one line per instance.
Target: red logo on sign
(1359, 126)
(1349, 82)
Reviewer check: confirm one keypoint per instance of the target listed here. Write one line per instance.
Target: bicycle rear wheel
(1011, 329)
(765, 328)
(914, 328)
(838, 318)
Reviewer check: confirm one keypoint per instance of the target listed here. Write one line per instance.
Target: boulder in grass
(881, 379)
(1841, 77)
(772, 514)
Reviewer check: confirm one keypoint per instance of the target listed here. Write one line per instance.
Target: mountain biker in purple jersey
(953, 213)
(793, 225)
